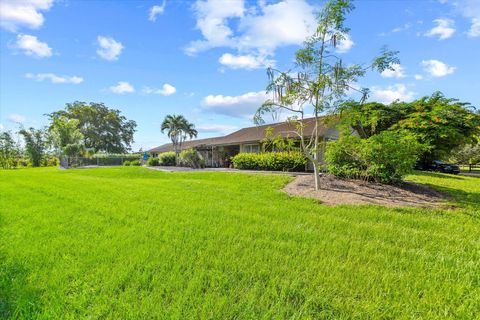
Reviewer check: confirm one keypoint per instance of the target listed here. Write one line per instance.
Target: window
(251, 148)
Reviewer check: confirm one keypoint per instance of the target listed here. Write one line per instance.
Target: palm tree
(178, 129)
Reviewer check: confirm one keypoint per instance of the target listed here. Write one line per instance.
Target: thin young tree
(320, 80)
(178, 130)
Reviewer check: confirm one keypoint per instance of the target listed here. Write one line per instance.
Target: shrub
(53, 161)
(126, 163)
(191, 158)
(386, 157)
(135, 163)
(166, 159)
(271, 161)
(153, 162)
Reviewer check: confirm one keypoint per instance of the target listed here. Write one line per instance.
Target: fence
(79, 162)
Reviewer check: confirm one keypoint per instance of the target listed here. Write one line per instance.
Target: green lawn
(131, 243)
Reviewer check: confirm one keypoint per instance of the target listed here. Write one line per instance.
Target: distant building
(217, 151)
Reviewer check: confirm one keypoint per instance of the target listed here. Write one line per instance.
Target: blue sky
(207, 59)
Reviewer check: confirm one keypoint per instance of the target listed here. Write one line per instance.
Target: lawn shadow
(439, 175)
(18, 299)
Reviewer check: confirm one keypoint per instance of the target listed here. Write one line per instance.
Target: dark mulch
(335, 191)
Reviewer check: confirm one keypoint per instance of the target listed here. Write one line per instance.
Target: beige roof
(251, 135)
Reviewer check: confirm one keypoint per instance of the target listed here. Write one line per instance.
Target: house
(217, 151)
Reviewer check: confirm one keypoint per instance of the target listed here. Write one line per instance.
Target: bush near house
(135, 163)
(126, 163)
(153, 162)
(191, 158)
(270, 161)
(386, 157)
(166, 159)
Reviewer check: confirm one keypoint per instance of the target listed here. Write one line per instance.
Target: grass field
(131, 243)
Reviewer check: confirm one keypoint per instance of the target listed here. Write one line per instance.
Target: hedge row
(270, 161)
(163, 159)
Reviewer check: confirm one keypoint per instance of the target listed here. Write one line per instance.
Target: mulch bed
(336, 191)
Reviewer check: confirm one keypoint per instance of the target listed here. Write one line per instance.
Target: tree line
(80, 128)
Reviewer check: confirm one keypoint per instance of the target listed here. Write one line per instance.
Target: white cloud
(242, 106)
(31, 46)
(122, 87)
(474, 30)
(284, 23)
(437, 68)
(397, 72)
(109, 49)
(345, 45)
(255, 33)
(392, 93)
(54, 78)
(216, 128)
(16, 118)
(23, 13)
(405, 27)
(418, 77)
(212, 18)
(166, 90)
(2, 127)
(469, 9)
(245, 61)
(155, 11)
(445, 29)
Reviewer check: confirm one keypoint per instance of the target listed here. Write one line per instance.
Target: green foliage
(191, 158)
(440, 124)
(468, 154)
(386, 157)
(66, 137)
(320, 80)
(135, 163)
(227, 246)
(167, 159)
(35, 145)
(153, 162)
(53, 161)
(103, 129)
(271, 161)
(277, 142)
(126, 163)
(178, 130)
(9, 151)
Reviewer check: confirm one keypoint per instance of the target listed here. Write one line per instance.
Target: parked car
(439, 166)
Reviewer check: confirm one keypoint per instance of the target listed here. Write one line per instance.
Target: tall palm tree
(178, 130)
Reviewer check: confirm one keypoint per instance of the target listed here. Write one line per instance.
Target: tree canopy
(440, 124)
(35, 145)
(178, 130)
(103, 129)
(320, 80)
(65, 136)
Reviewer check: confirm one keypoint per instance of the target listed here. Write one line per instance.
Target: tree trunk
(316, 176)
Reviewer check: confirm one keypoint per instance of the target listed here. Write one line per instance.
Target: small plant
(127, 163)
(191, 158)
(153, 162)
(166, 159)
(53, 161)
(135, 163)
